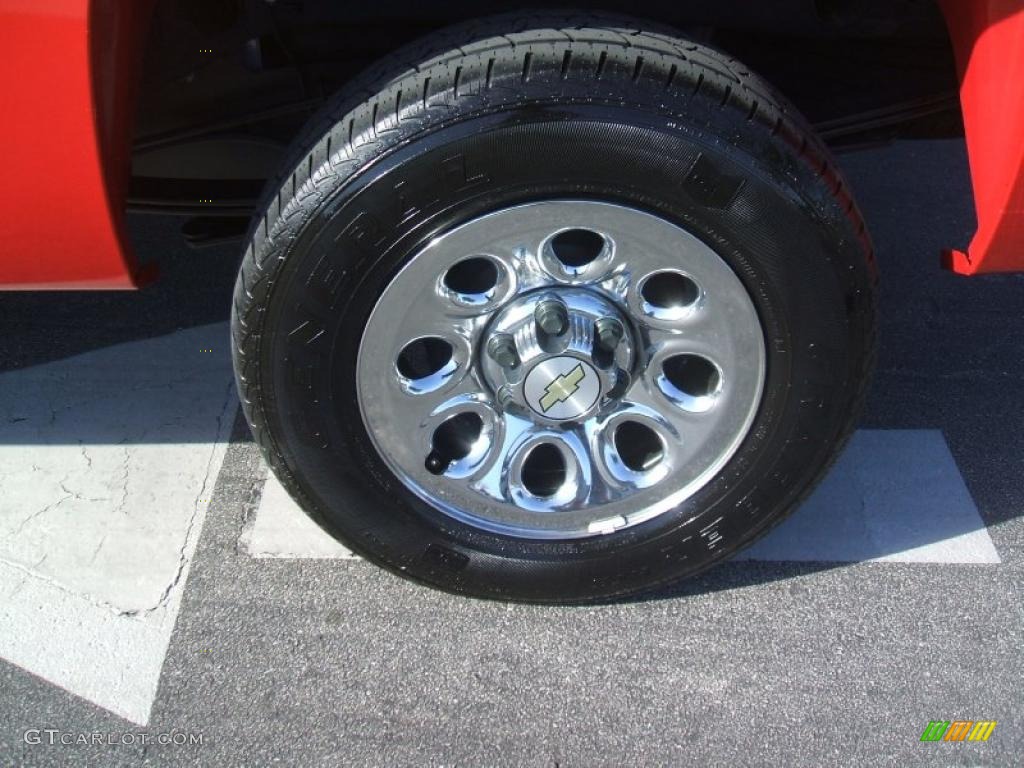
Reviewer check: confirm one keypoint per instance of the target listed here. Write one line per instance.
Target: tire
(533, 120)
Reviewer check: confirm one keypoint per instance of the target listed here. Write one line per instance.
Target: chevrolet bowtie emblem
(562, 388)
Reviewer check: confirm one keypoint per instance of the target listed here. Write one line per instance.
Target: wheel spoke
(492, 478)
(703, 330)
(681, 430)
(416, 417)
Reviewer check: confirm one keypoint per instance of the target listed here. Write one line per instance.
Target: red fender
(988, 40)
(67, 74)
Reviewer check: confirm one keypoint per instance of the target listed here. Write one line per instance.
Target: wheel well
(228, 83)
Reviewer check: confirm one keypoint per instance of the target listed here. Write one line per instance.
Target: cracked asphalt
(327, 662)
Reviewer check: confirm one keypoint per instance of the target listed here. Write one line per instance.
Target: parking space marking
(279, 528)
(894, 495)
(107, 460)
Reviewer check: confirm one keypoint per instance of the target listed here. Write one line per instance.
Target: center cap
(555, 356)
(562, 388)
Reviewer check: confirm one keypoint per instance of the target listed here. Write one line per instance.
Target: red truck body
(69, 75)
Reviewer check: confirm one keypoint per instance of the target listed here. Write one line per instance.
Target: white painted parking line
(107, 460)
(894, 495)
(279, 528)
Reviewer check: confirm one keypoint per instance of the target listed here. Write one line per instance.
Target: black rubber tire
(510, 110)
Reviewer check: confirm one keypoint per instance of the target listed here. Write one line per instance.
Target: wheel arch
(68, 72)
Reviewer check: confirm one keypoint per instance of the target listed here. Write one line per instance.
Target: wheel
(566, 309)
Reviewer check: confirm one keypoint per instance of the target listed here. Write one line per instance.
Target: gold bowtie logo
(562, 388)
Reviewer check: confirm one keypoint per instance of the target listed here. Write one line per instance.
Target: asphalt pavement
(215, 629)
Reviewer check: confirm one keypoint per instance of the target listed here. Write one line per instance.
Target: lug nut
(609, 332)
(552, 317)
(502, 349)
(505, 396)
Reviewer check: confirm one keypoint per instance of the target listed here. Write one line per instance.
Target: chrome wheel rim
(560, 369)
